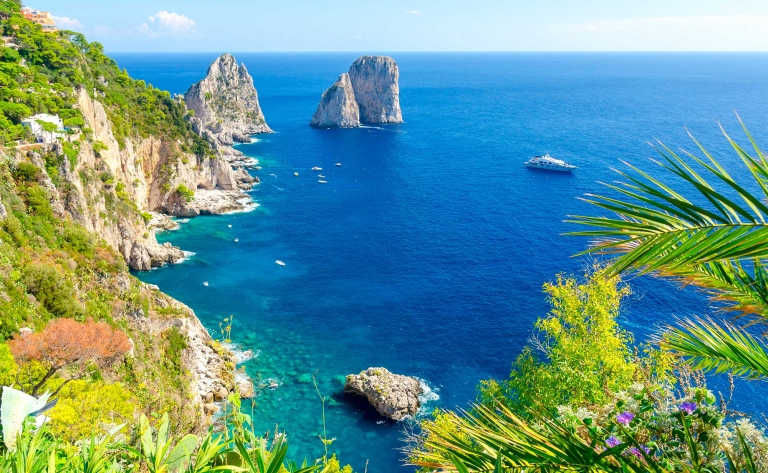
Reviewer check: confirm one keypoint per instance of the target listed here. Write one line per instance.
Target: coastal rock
(375, 82)
(394, 396)
(226, 104)
(244, 387)
(338, 107)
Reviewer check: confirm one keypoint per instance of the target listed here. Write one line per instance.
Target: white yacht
(317, 168)
(549, 163)
(279, 262)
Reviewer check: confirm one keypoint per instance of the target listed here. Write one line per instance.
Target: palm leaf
(717, 347)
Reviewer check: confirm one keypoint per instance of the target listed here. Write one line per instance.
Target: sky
(412, 25)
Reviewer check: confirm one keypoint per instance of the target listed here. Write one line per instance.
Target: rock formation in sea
(226, 104)
(394, 396)
(375, 82)
(370, 91)
(338, 107)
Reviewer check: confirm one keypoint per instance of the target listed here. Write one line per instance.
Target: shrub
(85, 408)
(78, 239)
(26, 172)
(51, 290)
(186, 193)
(39, 201)
(98, 147)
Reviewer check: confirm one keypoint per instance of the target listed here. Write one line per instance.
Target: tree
(66, 343)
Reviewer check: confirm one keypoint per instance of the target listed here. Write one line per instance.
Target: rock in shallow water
(394, 396)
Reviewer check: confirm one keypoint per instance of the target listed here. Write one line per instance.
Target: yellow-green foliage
(87, 407)
(581, 352)
(8, 368)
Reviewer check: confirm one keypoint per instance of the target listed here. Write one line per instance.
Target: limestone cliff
(375, 82)
(338, 107)
(149, 172)
(226, 104)
(368, 94)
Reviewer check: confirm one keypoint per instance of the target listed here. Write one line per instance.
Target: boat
(317, 168)
(549, 163)
(322, 182)
(277, 261)
(205, 283)
(338, 164)
(321, 176)
(296, 174)
(236, 240)
(229, 226)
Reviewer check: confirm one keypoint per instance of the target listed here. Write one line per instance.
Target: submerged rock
(375, 82)
(394, 396)
(338, 107)
(226, 104)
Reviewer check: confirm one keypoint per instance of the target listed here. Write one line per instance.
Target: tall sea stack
(338, 107)
(370, 90)
(226, 104)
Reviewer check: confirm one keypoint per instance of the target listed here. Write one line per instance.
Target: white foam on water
(428, 396)
(187, 255)
(241, 356)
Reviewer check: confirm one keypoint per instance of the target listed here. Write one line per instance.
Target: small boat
(296, 174)
(236, 240)
(317, 168)
(229, 226)
(277, 261)
(338, 164)
(549, 163)
(205, 283)
(322, 182)
(321, 176)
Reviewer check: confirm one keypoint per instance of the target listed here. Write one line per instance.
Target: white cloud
(412, 12)
(173, 22)
(66, 23)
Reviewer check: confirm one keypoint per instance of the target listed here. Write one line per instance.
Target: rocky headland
(394, 396)
(368, 94)
(225, 104)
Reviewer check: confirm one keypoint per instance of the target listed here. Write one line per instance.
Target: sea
(426, 250)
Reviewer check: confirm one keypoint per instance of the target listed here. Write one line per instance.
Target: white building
(43, 136)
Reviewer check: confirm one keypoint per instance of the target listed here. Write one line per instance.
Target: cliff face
(149, 171)
(226, 104)
(369, 94)
(338, 107)
(375, 82)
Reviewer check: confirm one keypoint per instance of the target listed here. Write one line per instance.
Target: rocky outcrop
(3, 212)
(368, 94)
(338, 107)
(394, 396)
(226, 104)
(375, 82)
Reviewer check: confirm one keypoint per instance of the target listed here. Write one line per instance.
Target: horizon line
(534, 51)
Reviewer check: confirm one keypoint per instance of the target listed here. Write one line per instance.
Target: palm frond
(704, 237)
(723, 347)
(489, 439)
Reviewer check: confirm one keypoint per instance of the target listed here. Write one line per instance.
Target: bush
(51, 290)
(186, 193)
(583, 352)
(26, 172)
(85, 408)
(38, 201)
(78, 239)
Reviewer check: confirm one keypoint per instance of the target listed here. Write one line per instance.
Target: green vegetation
(153, 448)
(57, 65)
(186, 193)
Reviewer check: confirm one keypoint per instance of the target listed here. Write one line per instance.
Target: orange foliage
(66, 342)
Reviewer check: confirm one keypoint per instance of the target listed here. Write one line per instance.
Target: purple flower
(688, 407)
(636, 451)
(625, 418)
(612, 441)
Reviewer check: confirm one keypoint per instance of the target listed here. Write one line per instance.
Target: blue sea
(426, 251)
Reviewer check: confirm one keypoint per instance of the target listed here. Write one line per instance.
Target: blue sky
(409, 25)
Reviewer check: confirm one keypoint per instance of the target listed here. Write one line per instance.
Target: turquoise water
(426, 251)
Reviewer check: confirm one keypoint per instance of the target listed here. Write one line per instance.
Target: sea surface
(426, 251)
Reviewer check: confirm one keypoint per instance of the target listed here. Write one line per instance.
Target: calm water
(426, 251)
